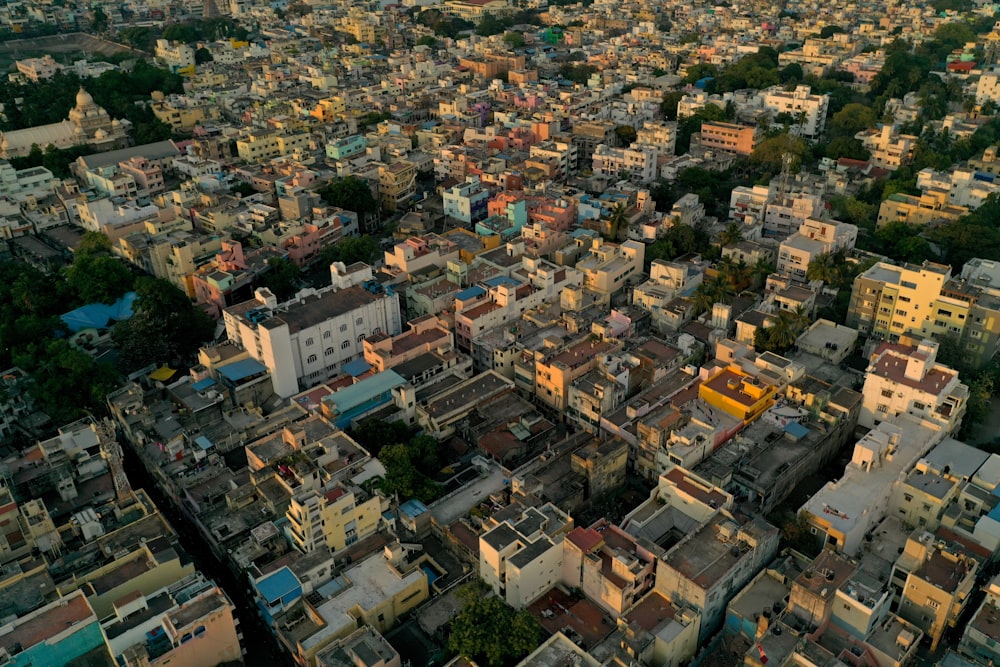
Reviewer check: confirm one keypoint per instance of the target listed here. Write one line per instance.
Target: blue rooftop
(994, 513)
(99, 315)
(497, 281)
(203, 442)
(470, 293)
(241, 370)
(413, 508)
(202, 385)
(796, 430)
(357, 367)
(350, 397)
(275, 585)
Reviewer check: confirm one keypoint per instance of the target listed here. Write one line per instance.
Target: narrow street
(261, 650)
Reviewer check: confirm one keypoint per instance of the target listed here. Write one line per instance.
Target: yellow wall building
(738, 394)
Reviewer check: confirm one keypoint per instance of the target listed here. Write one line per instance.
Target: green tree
(99, 20)
(282, 277)
(202, 56)
(490, 25)
(161, 306)
(848, 147)
(626, 134)
(350, 250)
(733, 233)
(351, 194)
(852, 119)
(94, 243)
(782, 332)
(427, 40)
(489, 631)
(98, 279)
(374, 434)
(668, 107)
(770, 154)
(515, 40)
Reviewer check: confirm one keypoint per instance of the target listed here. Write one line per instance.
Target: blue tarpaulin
(99, 315)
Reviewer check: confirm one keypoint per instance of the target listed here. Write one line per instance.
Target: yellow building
(929, 208)
(937, 590)
(397, 185)
(738, 394)
(921, 499)
(335, 519)
(555, 372)
(261, 146)
(888, 301)
(183, 118)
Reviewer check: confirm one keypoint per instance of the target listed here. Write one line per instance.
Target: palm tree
(733, 233)
(618, 216)
(759, 272)
(823, 267)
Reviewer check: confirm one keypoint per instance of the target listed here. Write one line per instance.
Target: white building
(815, 237)
(905, 379)
(889, 149)
(988, 87)
(808, 111)
(964, 185)
(175, 55)
(660, 136)
(638, 162)
(307, 340)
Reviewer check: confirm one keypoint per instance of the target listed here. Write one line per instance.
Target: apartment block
(906, 379)
(306, 341)
(937, 590)
(815, 237)
(521, 557)
(334, 518)
(888, 147)
(730, 137)
(418, 253)
(889, 301)
(710, 564)
(930, 208)
(608, 267)
(260, 146)
(467, 202)
(636, 163)
(807, 111)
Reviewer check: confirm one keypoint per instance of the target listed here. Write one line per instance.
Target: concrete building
(334, 518)
(467, 202)
(709, 565)
(890, 301)
(842, 512)
(608, 267)
(981, 638)
(807, 111)
(521, 557)
(636, 163)
(904, 379)
(814, 238)
(930, 208)
(730, 137)
(57, 633)
(937, 590)
(307, 340)
(889, 149)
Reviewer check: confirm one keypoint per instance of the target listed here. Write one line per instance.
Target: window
(933, 604)
(359, 321)
(343, 327)
(887, 393)
(346, 344)
(361, 338)
(327, 334)
(311, 358)
(328, 351)
(309, 341)
(883, 409)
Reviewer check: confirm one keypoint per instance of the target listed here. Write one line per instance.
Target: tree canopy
(350, 193)
(491, 632)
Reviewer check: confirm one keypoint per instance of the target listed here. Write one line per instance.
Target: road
(260, 646)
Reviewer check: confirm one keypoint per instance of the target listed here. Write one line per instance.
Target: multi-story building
(175, 55)
(467, 202)
(815, 237)
(58, 633)
(987, 88)
(419, 253)
(636, 163)
(890, 301)
(554, 372)
(521, 557)
(981, 638)
(905, 379)
(931, 207)
(306, 341)
(786, 212)
(807, 111)
(710, 565)
(259, 146)
(938, 589)
(333, 518)
(397, 185)
(608, 267)
(889, 149)
(660, 136)
(730, 137)
(560, 156)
